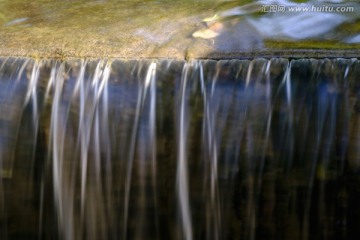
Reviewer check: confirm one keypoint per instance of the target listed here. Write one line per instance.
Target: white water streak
(89, 129)
(211, 146)
(83, 139)
(57, 138)
(182, 171)
(149, 81)
(153, 146)
(31, 92)
(249, 71)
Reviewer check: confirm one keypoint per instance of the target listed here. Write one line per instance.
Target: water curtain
(162, 149)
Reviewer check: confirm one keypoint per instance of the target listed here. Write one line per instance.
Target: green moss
(309, 44)
(127, 29)
(350, 28)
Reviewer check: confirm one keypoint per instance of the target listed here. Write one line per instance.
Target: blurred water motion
(238, 149)
(250, 25)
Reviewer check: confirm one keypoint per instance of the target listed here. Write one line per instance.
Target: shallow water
(238, 149)
(166, 29)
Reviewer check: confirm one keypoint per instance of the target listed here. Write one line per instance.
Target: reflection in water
(238, 149)
(281, 19)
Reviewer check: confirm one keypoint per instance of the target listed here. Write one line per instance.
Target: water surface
(165, 29)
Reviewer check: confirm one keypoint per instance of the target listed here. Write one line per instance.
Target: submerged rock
(353, 39)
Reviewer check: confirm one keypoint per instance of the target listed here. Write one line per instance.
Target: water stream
(162, 149)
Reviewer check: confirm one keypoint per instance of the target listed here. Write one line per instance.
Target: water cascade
(230, 149)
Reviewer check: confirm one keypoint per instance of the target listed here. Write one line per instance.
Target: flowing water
(174, 29)
(231, 149)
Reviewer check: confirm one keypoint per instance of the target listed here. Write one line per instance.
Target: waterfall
(167, 149)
